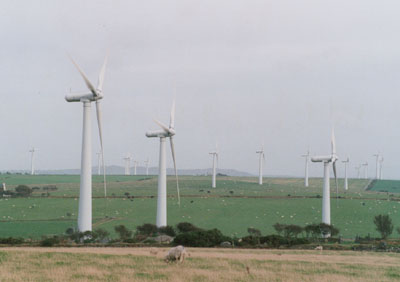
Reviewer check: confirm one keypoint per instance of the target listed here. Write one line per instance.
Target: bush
(11, 241)
(186, 227)
(383, 225)
(147, 229)
(50, 241)
(201, 238)
(279, 228)
(99, 235)
(273, 241)
(292, 230)
(23, 191)
(167, 230)
(123, 232)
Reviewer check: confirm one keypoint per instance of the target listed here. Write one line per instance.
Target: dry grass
(146, 264)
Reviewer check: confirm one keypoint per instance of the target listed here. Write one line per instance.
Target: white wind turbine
(85, 192)
(358, 171)
(380, 168)
(127, 160)
(346, 184)
(147, 166)
(214, 167)
(306, 169)
(365, 165)
(260, 165)
(32, 151)
(135, 163)
(326, 203)
(169, 132)
(377, 165)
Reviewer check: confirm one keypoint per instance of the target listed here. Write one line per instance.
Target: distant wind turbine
(380, 168)
(32, 151)
(127, 160)
(214, 167)
(377, 165)
(166, 132)
(147, 166)
(358, 168)
(346, 184)
(365, 165)
(135, 163)
(306, 168)
(260, 165)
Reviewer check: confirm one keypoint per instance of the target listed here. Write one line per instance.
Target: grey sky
(246, 72)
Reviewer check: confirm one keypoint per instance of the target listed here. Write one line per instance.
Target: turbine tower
(326, 204)
(32, 151)
(377, 165)
(214, 168)
(380, 168)
(365, 165)
(166, 132)
(260, 165)
(147, 166)
(85, 192)
(306, 169)
(127, 160)
(346, 184)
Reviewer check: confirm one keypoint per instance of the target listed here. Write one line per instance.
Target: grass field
(144, 264)
(236, 204)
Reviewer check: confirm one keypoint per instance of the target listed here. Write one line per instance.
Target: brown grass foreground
(146, 264)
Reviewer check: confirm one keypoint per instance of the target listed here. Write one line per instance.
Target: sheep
(177, 253)
(319, 248)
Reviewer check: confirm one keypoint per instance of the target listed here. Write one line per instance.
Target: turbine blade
(333, 142)
(163, 126)
(172, 117)
(85, 78)
(99, 118)
(336, 183)
(176, 171)
(101, 75)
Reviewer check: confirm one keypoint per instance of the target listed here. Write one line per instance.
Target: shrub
(383, 225)
(23, 190)
(147, 229)
(273, 241)
(279, 227)
(292, 230)
(186, 227)
(50, 241)
(11, 241)
(201, 238)
(99, 235)
(123, 232)
(167, 230)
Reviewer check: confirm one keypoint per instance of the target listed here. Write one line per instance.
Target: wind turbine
(326, 204)
(260, 165)
(346, 184)
(98, 163)
(147, 166)
(358, 171)
(135, 163)
(377, 165)
(214, 168)
(365, 165)
(85, 192)
(32, 151)
(306, 169)
(380, 168)
(127, 160)
(162, 173)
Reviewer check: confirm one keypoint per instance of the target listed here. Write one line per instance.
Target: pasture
(236, 204)
(145, 264)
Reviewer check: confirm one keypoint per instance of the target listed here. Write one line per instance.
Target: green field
(236, 204)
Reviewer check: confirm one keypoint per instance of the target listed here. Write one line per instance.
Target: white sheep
(177, 253)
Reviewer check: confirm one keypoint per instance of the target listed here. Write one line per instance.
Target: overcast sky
(246, 72)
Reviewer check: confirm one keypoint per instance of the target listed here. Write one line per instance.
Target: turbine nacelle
(158, 133)
(325, 159)
(82, 97)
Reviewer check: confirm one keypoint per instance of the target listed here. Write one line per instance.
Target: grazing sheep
(177, 253)
(319, 248)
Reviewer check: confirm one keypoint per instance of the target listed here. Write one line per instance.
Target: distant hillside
(119, 170)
